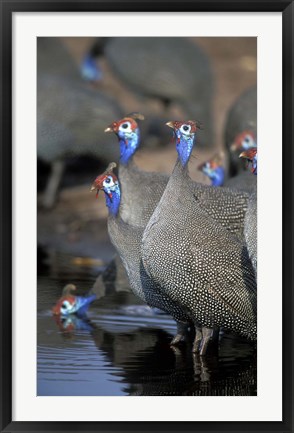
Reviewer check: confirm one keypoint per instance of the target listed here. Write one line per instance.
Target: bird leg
(207, 334)
(181, 331)
(201, 370)
(197, 340)
(202, 339)
(53, 184)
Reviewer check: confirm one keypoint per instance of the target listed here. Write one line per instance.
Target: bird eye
(126, 127)
(185, 129)
(108, 182)
(247, 139)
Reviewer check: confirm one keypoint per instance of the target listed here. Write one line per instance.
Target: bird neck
(128, 144)
(112, 199)
(184, 145)
(180, 172)
(217, 177)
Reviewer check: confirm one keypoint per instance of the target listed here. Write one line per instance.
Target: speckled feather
(127, 241)
(198, 263)
(141, 192)
(251, 228)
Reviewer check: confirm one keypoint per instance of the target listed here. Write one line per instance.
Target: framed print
(132, 217)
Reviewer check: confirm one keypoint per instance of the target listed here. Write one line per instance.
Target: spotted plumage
(197, 263)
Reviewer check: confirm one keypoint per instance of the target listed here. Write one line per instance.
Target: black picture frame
(7, 10)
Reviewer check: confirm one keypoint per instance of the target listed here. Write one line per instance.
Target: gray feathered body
(199, 264)
(244, 181)
(127, 241)
(141, 192)
(251, 228)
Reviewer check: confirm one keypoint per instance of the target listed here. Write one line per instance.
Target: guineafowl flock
(194, 256)
(187, 248)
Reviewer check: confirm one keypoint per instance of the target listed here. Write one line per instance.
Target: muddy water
(122, 348)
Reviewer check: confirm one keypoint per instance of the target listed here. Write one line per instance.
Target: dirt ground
(76, 226)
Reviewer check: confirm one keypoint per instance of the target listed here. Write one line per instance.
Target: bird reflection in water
(149, 366)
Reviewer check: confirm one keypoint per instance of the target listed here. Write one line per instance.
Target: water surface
(122, 348)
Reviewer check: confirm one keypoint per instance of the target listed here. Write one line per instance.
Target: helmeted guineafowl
(196, 262)
(143, 190)
(241, 128)
(127, 241)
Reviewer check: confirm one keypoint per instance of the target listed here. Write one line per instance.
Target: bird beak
(108, 129)
(170, 124)
(93, 188)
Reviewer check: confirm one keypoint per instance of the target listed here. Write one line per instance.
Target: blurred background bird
(214, 169)
(174, 72)
(241, 128)
(70, 116)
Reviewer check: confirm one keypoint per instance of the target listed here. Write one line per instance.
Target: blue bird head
(128, 133)
(251, 157)
(69, 303)
(185, 133)
(108, 183)
(214, 170)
